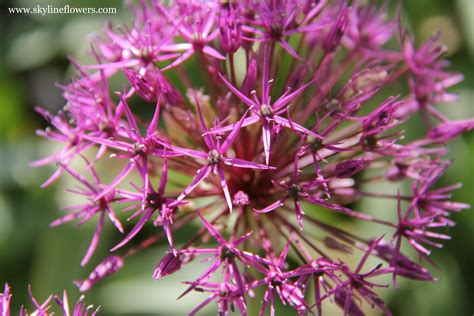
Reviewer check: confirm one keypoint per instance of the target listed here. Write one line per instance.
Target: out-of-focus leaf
(32, 49)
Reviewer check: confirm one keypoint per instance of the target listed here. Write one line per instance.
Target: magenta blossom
(45, 308)
(260, 127)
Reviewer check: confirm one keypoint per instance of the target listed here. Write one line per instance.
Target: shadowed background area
(33, 57)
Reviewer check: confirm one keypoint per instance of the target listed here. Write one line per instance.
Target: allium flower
(261, 121)
(45, 308)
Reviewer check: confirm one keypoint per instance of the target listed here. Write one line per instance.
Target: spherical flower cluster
(266, 123)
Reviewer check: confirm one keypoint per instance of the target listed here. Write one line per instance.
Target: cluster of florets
(279, 117)
(45, 309)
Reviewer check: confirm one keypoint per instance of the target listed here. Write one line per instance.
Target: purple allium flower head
(261, 122)
(45, 308)
(5, 299)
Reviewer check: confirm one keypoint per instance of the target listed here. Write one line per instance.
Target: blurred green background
(33, 58)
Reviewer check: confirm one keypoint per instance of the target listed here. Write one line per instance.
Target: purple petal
(248, 121)
(178, 47)
(299, 214)
(284, 253)
(110, 143)
(209, 140)
(307, 28)
(179, 60)
(169, 236)
(203, 304)
(242, 239)
(186, 151)
(115, 65)
(211, 229)
(225, 188)
(114, 219)
(268, 300)
(53, 178)
(164, 177)
(266, 137)
(130, 118)
(339, 208)
(282, 101)
(231, 137)
(124, 173)
(238, 276)
(250, 79)
(204, 276)
(272, 206)
(289, 49)
(292, 125)
(149, 212)
(201, 175)
(94, 241)
(293, 295)
(156, 117)
(265, 83)
(240, 163)
(66, 218)
(208, 50)
(234, 90)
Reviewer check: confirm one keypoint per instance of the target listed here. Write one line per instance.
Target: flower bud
(447, 131)
(168, 265)
(106, 268)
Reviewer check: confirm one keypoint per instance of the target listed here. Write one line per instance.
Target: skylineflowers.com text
(66, 9)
